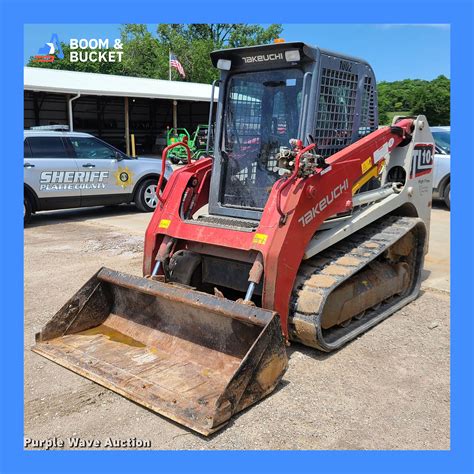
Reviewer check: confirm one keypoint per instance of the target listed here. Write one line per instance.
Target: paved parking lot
(389, 389)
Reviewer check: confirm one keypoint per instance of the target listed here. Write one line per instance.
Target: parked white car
(442, 164)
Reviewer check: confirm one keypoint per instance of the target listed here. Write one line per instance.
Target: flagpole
(169, 63)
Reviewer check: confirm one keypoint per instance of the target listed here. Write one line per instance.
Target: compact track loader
(309, 223)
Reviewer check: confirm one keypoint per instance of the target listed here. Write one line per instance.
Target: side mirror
(118, 156)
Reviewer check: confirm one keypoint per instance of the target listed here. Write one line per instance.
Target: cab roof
(308, 52)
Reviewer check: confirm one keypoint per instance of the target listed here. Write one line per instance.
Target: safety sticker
(382, 152)
(260, 239)
(366, 165)
(164, 223)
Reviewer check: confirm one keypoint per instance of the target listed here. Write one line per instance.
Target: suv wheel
(146, 199)
(27, 210)
(447, 195)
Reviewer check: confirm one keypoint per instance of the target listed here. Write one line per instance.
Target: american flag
(174, 62)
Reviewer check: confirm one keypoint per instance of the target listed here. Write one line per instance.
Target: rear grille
(336, 111)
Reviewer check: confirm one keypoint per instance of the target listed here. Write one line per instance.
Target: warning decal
(260, 239)
(164, 223)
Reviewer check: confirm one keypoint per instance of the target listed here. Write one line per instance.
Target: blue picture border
(14, 14)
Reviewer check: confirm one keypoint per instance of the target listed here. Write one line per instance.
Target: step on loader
(309, 223)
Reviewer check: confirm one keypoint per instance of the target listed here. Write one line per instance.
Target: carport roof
(87, 83)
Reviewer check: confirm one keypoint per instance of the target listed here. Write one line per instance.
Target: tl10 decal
(422, 160)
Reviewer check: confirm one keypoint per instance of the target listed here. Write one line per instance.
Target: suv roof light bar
(63, 128)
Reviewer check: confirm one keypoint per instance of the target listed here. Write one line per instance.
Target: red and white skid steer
(309, 224)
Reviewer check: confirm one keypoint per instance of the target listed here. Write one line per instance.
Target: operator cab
(269, 95)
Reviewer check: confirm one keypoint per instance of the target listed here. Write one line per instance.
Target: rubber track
(323, 273)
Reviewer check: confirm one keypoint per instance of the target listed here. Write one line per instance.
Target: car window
(90, 148)
(46, 147)
(443, 140)
(27, 149)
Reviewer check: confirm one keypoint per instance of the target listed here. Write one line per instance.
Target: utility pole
(127, 127)
(175, 114)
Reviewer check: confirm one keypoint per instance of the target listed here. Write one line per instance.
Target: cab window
(90, 148)
(46, 147)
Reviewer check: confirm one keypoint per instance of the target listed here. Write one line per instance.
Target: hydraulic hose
(290, 179)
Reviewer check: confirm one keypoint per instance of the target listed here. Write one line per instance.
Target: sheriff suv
(65, 169)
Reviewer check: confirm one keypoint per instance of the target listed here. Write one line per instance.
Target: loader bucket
(190, 356)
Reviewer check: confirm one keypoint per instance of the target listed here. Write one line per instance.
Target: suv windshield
(261, 114)
(443, 140)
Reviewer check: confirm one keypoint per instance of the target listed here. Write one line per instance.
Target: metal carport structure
(112, 107)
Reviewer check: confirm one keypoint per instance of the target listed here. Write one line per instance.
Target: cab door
(50, 170)
(105, 178)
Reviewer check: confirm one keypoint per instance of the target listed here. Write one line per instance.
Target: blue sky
(395, 52)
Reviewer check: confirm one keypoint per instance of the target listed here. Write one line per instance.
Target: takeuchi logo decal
(262, 58)
(326, 201)
(50, 51)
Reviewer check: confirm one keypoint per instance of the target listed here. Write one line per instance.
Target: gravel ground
(389, 389)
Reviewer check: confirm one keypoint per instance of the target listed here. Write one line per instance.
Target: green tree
(143, 56)
(434, 101)
(415, 96)
(193, 43)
